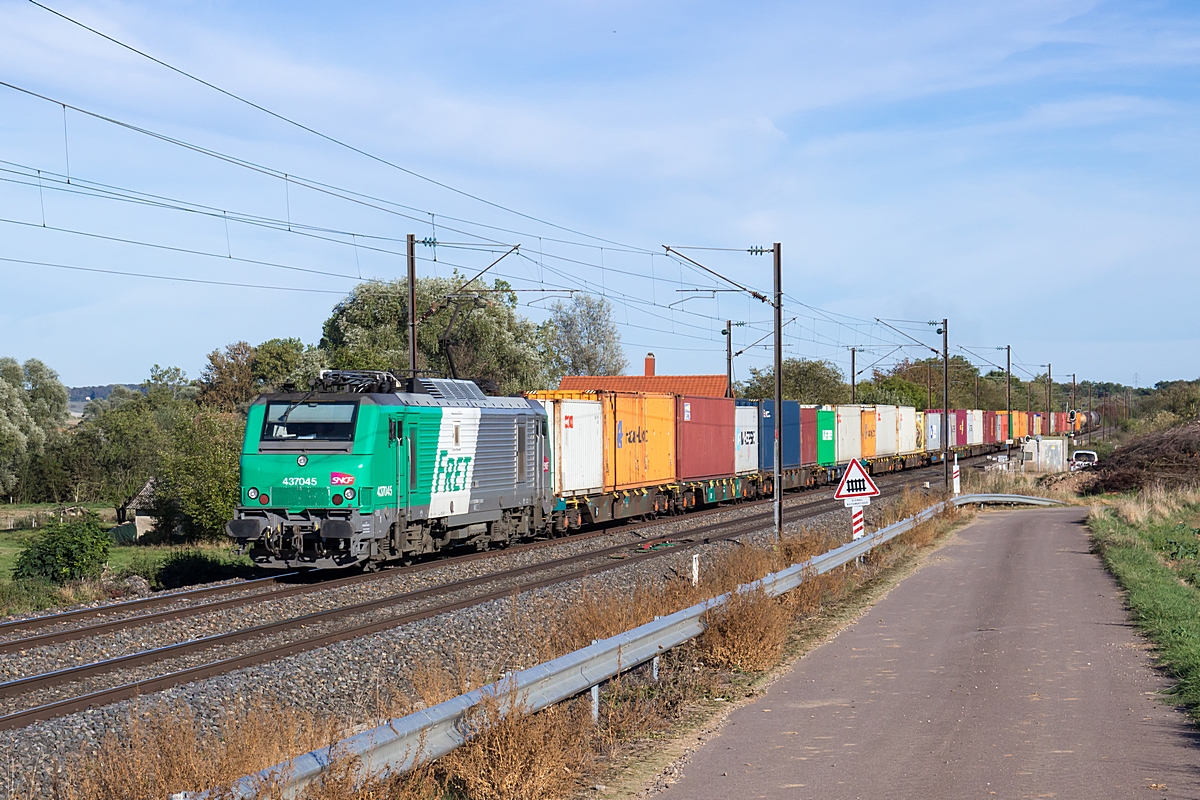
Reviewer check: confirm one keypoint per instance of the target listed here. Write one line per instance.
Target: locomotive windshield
(323, 422)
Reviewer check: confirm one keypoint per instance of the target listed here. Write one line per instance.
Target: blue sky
(1028, 170)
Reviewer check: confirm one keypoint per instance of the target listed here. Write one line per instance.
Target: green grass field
(164, 566)
(1153, 549)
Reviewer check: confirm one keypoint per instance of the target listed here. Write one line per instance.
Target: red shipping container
(959, 420)
(989, 427)
(808, 435)
(704, 437)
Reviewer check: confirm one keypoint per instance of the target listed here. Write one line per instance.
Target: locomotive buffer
(856, 490)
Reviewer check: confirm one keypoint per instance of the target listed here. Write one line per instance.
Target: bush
(65, 551)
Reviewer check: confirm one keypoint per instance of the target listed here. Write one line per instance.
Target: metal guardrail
(435, 731)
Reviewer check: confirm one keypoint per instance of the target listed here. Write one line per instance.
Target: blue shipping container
(766, 433)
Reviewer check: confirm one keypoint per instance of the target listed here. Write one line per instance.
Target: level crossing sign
(856, 490)
(856, 487)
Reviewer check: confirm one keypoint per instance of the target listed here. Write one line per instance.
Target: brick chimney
(649, 365)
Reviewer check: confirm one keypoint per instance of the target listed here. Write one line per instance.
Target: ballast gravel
(345, 678)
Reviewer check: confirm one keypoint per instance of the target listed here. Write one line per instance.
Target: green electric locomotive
(355, 472)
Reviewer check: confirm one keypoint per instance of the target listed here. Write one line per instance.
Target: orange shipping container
(639, 436)
(868, 432)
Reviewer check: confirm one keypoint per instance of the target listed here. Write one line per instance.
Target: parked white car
(1082, 459)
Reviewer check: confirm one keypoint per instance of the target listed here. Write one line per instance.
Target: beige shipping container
(848, 433)
(577, 443)
(908, 440)
(886, 431)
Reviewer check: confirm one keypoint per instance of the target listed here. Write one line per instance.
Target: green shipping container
(826, 443)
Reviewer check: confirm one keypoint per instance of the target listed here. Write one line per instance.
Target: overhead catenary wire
(322, 135)
(170, 277)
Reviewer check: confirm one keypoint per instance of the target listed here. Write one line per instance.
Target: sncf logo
(341, 479)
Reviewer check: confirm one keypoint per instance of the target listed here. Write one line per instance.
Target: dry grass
(1055, 487)
(164, 750)
(518, 756)
(521, 756)
(1155, 503)
(747, 632)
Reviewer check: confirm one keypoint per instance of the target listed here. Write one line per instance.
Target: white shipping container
(848, 433)
(745, 439)
(975, 427)
(906, 430)
(886, 433)
(578, 432)
(933, 432)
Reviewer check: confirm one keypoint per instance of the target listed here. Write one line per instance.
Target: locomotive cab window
(321, 422)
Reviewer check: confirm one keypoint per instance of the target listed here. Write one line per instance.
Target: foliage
(119, 395)
(126, 441)
(806, 380)
(196, 485)
(20, 436)
(33, 406)
(479, 333)
(582, 339)
(227, 380)
(891, 390)
(275, 361)
(168, 384)
(70, 550)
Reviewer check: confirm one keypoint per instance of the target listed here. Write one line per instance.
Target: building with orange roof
(691, 385)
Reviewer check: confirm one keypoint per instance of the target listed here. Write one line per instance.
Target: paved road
(1003, 668)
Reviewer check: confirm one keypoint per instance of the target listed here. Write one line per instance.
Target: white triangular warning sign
(855, 483)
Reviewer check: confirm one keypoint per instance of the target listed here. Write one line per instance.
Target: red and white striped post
(957, 485)
(856, 521)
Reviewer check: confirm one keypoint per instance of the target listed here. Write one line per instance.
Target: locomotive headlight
(349, 494)
(252, 493)
(301, 460)
(264, 499)
(337, 499)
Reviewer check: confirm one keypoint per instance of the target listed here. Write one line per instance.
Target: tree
(582, 339)
(227, 381)
(275, 361)
(810, 381)
(46, 397)
(168, 384)
(479, 334)
(20, 436)
(127, 442)
(197, 481)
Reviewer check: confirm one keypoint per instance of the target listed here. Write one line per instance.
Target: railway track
(479, 589)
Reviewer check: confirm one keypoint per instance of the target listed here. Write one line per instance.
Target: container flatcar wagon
(357, 472)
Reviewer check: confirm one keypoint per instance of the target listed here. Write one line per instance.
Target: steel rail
(400, 743)
(141, 602)
(55, 637)
(19, 686)
(133, 689)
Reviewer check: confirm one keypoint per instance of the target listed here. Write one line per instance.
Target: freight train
(356, 473)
